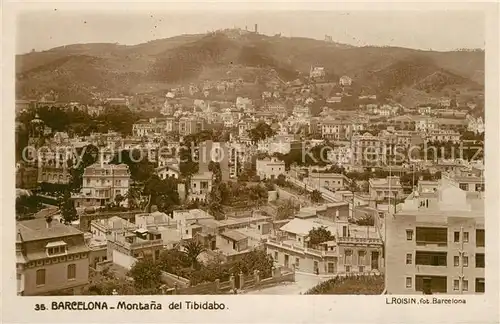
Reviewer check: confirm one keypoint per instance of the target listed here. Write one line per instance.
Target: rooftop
(234, 235)
(37, 229)
(302, 226)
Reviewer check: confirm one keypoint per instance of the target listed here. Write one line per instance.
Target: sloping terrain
(77, 71)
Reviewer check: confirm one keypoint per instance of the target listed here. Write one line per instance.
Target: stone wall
(246, 282)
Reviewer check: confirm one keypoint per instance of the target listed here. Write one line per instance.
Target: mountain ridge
(115, 68)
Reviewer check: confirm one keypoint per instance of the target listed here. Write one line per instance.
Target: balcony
(431, 237)
(292, 247)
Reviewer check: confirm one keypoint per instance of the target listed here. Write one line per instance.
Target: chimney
(48, 221)
(256, 29)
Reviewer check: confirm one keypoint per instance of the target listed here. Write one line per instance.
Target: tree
(193, 250)
(118, 199)
(141, 169)
(260, 132)
(281, 180)
(133, 196)
(286, 209)
(319, 235)
(316, 196)
(215, 168)
(67, 207)
(172, 260)
(254, 260)
(27, 204)
(87, 156)
(163, 193)
(146, 274)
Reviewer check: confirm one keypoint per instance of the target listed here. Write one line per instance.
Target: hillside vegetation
(77, 71)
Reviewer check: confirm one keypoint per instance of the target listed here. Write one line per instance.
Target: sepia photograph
(219, 152)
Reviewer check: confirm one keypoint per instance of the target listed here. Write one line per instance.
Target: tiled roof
(36, 229)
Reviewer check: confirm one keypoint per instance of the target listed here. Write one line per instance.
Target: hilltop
(77, 71)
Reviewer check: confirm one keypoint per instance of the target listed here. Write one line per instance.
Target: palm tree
(132, 196)
(192, 250)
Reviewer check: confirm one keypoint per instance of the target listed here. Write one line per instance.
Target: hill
(77, 71)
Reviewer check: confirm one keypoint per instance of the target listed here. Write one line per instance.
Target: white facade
(270, 168)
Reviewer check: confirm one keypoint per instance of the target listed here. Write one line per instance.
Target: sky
(436, 30)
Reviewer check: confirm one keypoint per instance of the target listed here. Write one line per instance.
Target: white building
(270, 168)
(102, 183)
(345, 80)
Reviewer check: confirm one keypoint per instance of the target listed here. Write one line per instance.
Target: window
(466, 237)
(432, 235)
(456, 284)
(465, 261)
(275, 255)
(409, 235)
(408, 282)
(348, 257)
(465, 285)
(71, 271)
(480, 238)
(479, 260)
(409, 258)
(297, 261)
(361, 258)
(361, 269)
(61, 249)
(456, 261)
(40, 277)
(456, 236)
(480, 285)
(430, 258)
(464, 186)
(347, 268)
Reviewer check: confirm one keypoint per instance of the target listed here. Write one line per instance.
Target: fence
(245, 282)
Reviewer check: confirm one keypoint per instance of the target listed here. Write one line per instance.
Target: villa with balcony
(352, 249)
(102, 183)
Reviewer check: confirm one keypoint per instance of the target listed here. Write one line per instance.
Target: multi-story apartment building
(190, 125)
(335, 129)
(368, 150)
(147, 128)
(51, 258)
(435, 243)
(102, 183)
(443, 136)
